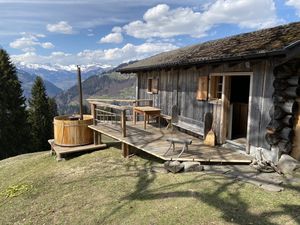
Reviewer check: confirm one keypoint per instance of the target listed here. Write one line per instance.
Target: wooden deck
(153, 141)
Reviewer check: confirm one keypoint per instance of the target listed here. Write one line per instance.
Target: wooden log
(280, 84)
(272, 139)
(274, 126)
(276, 113)
(288, 120)
(286, 133)
(277, 99)
(285, 146)
(292, 92)
(294, 81)
(290, 107)
(282, 71)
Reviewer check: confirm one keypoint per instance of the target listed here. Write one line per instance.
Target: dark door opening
(239, 100)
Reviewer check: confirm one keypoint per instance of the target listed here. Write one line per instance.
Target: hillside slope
(107, 85)
(27, 81)
(104, 188)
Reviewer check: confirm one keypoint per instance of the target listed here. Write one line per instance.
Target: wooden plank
(153, 141)
(123, 122)
(225, 108)
(255, 105)
(64, 150)
(266, 103)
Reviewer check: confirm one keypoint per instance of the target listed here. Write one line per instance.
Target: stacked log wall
(280, 130)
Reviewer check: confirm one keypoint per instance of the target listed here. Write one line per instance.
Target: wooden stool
(173, 141)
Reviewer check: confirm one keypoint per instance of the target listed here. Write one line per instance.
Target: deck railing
(115, 111)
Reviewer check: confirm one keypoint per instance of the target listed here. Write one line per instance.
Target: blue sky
(109, 32)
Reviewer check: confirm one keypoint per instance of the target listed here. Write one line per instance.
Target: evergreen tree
(53, 111)
(40, 116)
(14, 130)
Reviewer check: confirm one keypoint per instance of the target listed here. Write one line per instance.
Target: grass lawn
(103, 188)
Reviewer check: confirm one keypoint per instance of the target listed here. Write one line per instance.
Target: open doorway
(239, 101)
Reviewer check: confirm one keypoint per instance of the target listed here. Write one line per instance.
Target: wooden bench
(168, 119)
(196, 127)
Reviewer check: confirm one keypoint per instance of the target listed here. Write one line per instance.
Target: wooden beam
(225, 108)
(125, 150)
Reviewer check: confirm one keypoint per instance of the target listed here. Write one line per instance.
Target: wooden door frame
(224, 123)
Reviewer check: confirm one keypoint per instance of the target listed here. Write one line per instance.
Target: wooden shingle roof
(272, 41)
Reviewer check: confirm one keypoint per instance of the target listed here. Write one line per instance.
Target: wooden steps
(61, 150)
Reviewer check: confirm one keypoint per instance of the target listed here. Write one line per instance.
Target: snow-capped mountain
(62, 76)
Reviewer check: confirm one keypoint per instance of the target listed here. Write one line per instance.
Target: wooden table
(146, 111)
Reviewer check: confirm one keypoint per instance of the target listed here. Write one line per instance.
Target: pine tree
(14, 128)
(40, 116)
(53, 111)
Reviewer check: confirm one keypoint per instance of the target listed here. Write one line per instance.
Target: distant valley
(106, 85)
(61, 83)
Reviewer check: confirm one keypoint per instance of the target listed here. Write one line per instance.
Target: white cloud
(245, 13)
(61, 27)
(28, 41)
(295, 4)
(117, 29)
(161, 21)
(112, 56)
(112, 38)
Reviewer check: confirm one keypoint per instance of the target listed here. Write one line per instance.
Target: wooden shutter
(202, 93)
(155, 86)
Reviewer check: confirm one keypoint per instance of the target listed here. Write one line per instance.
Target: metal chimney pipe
(80, 92)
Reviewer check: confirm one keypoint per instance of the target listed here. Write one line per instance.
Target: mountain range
(61, 76)
(27, 81)
(109, 84)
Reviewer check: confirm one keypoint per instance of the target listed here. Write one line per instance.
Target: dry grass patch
(103, 188)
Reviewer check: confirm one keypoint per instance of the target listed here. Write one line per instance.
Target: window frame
(152, 85)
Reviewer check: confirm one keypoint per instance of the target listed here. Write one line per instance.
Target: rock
(192, 167)
(173, 166)
(158, 169)
(272, 187)
(287, 164)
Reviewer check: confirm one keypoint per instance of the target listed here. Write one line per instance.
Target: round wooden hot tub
(70, 131)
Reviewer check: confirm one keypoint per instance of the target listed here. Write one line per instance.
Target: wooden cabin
(249, 83)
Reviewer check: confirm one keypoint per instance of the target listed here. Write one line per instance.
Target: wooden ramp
(60, 150)
(153, 140)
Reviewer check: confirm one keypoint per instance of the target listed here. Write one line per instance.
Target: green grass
(103, 188)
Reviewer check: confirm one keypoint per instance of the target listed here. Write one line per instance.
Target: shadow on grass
(235, 210)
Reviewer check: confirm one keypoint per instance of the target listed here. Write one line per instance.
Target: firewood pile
(286, 89)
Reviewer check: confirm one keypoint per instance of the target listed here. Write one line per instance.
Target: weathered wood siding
(179, 87)
(176, 87)
(261, 103)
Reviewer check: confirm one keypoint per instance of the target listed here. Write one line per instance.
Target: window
(209, 88)
(152, 86)
(215, 87)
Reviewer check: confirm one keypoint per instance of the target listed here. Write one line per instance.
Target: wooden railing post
(94, 113)
(123, 122)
